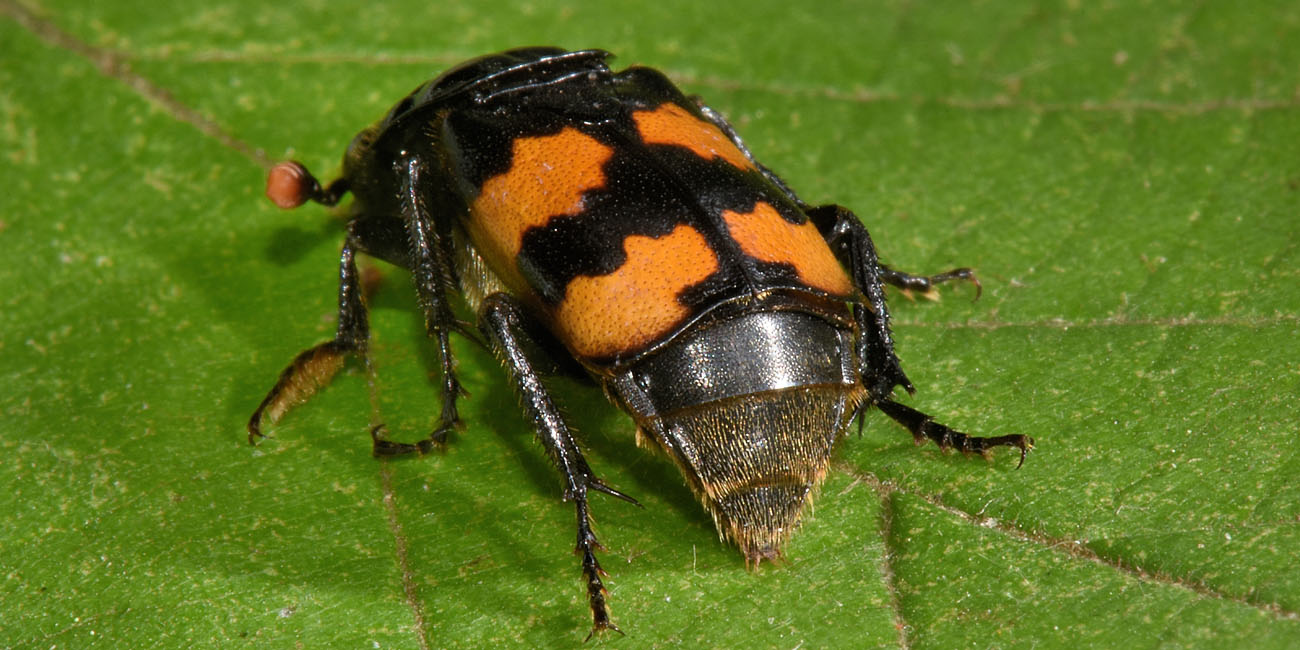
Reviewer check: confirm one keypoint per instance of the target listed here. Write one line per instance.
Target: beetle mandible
(609, 218)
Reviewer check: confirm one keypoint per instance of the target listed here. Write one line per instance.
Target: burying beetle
(741, 328)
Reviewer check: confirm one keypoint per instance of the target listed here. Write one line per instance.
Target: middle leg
(502, 321)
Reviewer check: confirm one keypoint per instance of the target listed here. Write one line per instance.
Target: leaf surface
(1123, 177)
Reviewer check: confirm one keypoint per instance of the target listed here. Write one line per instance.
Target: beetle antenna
(290, 185)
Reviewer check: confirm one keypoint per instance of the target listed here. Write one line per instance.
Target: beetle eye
(358, 152)
(360, 145)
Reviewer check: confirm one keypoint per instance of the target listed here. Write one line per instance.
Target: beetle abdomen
(756, 459)
(750, 407)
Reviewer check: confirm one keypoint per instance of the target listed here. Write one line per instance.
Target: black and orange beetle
(608, 217)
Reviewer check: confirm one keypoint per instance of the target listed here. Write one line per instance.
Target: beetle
(606, 218)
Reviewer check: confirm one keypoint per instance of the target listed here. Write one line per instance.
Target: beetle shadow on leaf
(290, 244)
(482, 554)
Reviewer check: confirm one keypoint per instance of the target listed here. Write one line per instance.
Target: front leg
(432, 271)
(313, 368)
(502, 321)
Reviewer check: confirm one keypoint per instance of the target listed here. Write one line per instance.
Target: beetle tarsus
(385, 448)
(926, 283)
(923, 427)
(591, 571)
(452, 390)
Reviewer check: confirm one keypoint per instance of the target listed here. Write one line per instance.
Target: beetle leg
(502, 321)
(852, 245)
(313, 368)
(432, 272)
(925, 283)
(878, 363)
(923, 426)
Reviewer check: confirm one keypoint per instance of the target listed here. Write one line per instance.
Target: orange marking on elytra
(636, 304)
(763, 234)
(548, 176)
(671, 124)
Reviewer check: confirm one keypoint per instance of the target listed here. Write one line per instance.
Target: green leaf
(1123, 176)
